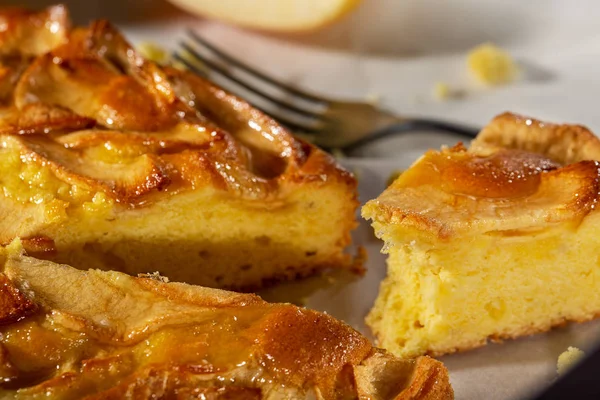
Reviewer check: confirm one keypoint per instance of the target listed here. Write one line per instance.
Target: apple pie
(108, 160)
(491, 242)
(73, 334)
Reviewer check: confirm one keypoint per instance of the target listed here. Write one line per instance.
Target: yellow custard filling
(31, 183)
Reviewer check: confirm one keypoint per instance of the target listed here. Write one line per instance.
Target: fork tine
(221, 71)
(248, 69)
(293, 125)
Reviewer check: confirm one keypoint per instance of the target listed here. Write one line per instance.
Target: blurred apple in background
(272, 15)
(389, 28)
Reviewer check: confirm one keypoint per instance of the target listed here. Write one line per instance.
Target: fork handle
(416, 124)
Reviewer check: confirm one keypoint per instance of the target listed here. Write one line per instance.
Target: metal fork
(330, 123)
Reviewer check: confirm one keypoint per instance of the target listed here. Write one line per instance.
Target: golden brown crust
(27, 33)
(430, 378)
(182, 132)
(563, 143)
(517, 174)
(38, 118)
(109, 335)
(14, 306)
(430, 381)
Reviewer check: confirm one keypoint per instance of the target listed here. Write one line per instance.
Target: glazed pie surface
(492, 241)
(72, 334)
(108, 160)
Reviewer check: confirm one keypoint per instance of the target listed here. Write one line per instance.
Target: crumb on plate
(442, 91)
(491, 65)
(568, 359)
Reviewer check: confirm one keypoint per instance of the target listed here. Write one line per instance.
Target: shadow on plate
(297, 292)
(411, 145)
(534, 73)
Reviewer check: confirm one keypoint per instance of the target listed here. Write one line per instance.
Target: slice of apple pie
(491, 242)
(72, 334)
(107, 159)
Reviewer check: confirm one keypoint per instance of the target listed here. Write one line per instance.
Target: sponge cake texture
(491, 242)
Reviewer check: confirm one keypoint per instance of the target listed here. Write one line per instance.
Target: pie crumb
(441, 91)
(491, 65)
(568, 359)
(154, 275)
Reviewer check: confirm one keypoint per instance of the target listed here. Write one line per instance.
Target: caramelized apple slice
(27, 33)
